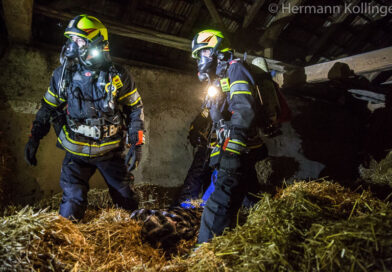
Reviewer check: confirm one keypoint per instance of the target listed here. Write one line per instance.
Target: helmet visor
(81, 42)
(205, 52)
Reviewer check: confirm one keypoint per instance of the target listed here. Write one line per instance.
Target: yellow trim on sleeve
(134, 103)
(237, 142)
(233, 151)
(215, 153)
(128, 94)
(50, 103)
(55, 95)
(240, 92)
(238, 82)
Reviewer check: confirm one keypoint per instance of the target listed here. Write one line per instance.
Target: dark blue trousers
(74, 180)
(230, 189)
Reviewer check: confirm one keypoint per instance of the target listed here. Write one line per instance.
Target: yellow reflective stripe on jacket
(238, 81)
(216, 152)
(240, 92)
(237, 142)
(76, 153)
(50, 103)
(134, 103)
(55, 95)
(87, 144)
(127, 94)
(85, 149)
(233, 151)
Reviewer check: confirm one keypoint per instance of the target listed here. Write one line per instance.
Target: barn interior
(331, 60)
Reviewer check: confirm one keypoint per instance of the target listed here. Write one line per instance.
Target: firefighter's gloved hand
(136, 137)
(30, 151)
(138, 155)
(133, 157)
(196, 138)
(136, 140)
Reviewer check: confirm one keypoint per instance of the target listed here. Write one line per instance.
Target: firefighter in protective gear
(102, 112)
(239, 146)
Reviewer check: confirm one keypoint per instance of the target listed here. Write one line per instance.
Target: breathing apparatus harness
(95, 128)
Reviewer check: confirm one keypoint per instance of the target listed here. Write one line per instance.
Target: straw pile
(379, 173)
(97, 199)
(314, 226)
(47, 242)
(309, 226)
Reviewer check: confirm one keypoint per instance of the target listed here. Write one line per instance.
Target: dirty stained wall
(321, 139)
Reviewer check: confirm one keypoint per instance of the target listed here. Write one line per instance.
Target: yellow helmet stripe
(75, 33)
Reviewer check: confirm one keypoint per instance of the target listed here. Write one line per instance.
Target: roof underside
(300, 39)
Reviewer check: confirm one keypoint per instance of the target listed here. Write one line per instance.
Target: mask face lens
(205, 53)
(79, 41)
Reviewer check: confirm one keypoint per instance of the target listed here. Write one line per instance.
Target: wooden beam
(377, 60)
(276, 65)
(125, 31)
(18, 17)
(155, 37)
(189, 23)
(251, 13)
(214, 14)
(277, 24)
(335, 25)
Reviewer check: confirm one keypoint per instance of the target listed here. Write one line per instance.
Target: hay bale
(97, 199)
(379, 173)
(44, 241)
(309, 226)
(20, 236)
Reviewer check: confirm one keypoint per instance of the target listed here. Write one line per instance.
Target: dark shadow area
(3, 34)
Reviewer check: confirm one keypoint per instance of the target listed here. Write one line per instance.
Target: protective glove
(30, 151)
(136, 137)
(196, 138)
(133, 157)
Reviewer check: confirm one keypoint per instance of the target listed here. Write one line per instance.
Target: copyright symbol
(273, 8)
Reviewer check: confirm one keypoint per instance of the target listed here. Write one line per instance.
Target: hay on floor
(309, 226)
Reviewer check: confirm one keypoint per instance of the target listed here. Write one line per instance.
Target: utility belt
(96, 128)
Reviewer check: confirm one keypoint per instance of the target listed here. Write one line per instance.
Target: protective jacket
(98, 105)
(244, 121)
(235, 155)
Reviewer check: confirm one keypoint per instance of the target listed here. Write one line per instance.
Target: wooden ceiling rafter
(252, 12)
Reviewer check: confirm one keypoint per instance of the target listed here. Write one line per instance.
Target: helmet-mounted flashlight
(212, 91)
